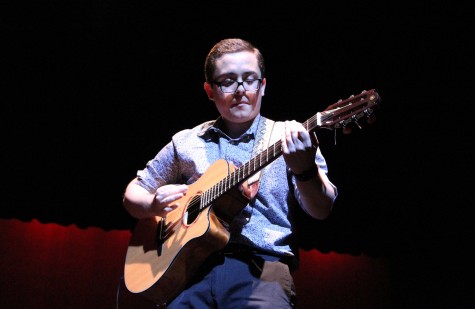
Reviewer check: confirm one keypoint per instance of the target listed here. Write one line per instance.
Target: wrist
(306, 175)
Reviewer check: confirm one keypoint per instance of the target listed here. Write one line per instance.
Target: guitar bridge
(164, 231)
(160, 233)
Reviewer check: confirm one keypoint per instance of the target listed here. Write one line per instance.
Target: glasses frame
(219, 84)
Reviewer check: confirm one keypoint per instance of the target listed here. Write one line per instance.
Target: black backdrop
(95, 88)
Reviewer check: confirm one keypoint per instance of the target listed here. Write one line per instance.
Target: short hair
(228, 46)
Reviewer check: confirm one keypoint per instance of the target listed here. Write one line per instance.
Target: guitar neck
(267, 156)
(335, 116)
(251, 167)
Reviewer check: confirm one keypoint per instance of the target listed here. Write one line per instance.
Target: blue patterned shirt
(266, 221)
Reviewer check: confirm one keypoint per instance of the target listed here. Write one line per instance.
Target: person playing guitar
(216, 205)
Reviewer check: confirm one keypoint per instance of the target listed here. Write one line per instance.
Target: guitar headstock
(350, 110)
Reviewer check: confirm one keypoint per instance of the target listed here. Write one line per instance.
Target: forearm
(138, 201)
(317, 195)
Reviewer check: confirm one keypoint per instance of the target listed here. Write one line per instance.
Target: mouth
(239, 104)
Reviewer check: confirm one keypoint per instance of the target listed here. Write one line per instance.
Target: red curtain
(54, 266)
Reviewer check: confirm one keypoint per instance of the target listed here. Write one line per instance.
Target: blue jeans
(239, 281)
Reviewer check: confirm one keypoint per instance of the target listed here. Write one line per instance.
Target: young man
(254, 269)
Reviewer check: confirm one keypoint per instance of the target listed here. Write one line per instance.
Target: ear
(209, 90)
(263, 87)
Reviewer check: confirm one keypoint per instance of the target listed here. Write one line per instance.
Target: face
(241, 106)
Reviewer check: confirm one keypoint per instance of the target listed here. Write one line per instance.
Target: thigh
(199, 292)
(248, 281)
(255, 282)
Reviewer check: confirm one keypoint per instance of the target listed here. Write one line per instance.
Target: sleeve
(159, 171)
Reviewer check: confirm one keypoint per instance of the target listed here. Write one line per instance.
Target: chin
(242, 116)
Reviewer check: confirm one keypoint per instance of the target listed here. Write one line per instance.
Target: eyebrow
(245, 74)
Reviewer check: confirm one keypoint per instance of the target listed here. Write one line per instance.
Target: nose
(240, 84)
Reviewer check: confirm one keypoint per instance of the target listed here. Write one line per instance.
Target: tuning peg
(346, 129)
(370, 117)
(355, 120)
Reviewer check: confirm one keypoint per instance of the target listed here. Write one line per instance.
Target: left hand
(299, 147)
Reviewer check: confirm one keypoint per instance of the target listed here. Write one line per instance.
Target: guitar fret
(211, 194)
(209, 197)
(260, 158)
(204, 199)
(235, 177)
(219, 188)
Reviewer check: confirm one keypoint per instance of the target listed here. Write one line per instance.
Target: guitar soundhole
(193, 210)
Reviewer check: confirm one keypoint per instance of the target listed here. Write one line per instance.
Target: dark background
(93, 89)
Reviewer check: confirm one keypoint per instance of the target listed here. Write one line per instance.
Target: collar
(211, 130)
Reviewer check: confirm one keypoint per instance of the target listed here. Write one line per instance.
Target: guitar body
(159, 267)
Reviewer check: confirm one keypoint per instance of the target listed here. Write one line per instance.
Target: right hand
(165, 196)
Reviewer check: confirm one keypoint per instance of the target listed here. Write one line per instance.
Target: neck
(234, 129)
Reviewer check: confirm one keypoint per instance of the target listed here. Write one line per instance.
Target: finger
(285, 149)
(287, 129)
(182, 189)
(287, 139)
(288, 145)
(294, 133)
(170, 198)
(169, 208)
(167, 190)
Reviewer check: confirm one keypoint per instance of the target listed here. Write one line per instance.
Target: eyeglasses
(231, 85)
